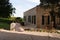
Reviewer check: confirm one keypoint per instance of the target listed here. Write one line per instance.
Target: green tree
(20, 19)
(5, 8)
(49, 1)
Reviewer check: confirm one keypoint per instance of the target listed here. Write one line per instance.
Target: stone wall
(31, 12)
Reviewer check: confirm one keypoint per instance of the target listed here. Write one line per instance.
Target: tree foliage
(5, 8)
(52, 4)
(50, 1)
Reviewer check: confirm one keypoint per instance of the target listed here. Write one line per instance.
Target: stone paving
(13, 35)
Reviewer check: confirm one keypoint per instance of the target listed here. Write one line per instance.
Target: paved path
(12, 35)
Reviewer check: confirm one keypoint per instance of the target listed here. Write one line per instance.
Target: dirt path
(12, 35)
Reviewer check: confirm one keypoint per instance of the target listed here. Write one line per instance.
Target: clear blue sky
(23, 5)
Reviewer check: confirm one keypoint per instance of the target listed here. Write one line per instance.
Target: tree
(50, 1)
(52, 4)
(5, 8)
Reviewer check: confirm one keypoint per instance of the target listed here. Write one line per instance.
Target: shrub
(4, 26)
(5, 23)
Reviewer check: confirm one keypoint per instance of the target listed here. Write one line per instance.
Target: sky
(23, 5)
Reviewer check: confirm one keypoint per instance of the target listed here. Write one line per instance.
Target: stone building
(40, 17)
(37, 17)
(30, 17)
